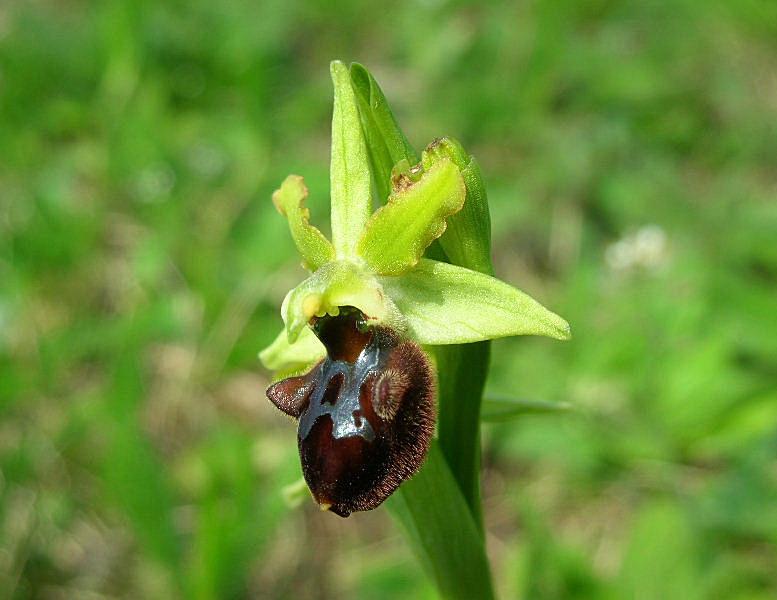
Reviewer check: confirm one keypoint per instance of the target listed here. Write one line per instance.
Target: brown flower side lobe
(366, 413)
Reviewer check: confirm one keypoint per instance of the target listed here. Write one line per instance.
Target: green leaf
(446, 304)
(350, 171)
(315, 249)
(467, 240)
(398, 233)
(336, 284)
(462, 371)
(283, 356)
(496, 409)
(442, 531)
(386, 143)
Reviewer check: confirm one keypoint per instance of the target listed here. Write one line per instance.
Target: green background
(630, 151)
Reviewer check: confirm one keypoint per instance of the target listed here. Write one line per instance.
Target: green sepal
(350, 178)
(289, 200)
(447, 304)
(414, 216)
(386, 143)
(334, 285)
(280, 355)
(467, 240)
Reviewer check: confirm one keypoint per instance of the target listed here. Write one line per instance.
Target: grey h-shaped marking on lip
(345, 420)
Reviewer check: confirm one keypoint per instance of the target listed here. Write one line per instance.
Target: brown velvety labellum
(366, 413)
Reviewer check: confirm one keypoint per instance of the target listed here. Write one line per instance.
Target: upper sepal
(386, 143)
(350, 176)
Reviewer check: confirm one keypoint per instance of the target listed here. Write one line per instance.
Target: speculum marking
(342, 412)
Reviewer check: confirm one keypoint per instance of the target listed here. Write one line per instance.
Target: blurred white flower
(645, 248)
(154, 183)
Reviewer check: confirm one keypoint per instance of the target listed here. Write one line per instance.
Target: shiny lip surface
(365, 413)
(346, 411)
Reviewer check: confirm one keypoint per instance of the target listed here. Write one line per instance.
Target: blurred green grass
(630, 150)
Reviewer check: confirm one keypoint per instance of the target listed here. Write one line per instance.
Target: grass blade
(496, 409)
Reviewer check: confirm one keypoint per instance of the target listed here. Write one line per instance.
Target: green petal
(311, 243)
(446, 304)
(337, 284)
(385, 141)
(350, 170)
(467, 240)
(283, 356)
(399, 232)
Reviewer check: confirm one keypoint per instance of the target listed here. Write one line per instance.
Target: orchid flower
(355, 327)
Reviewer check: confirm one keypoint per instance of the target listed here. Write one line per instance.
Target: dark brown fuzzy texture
(290, 395)
(366, 414)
